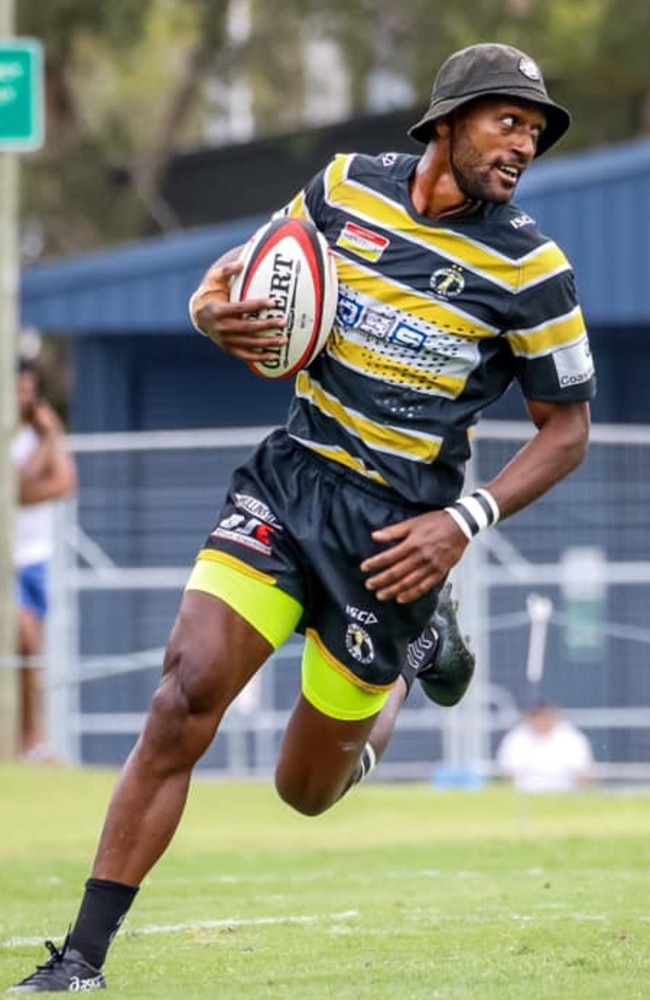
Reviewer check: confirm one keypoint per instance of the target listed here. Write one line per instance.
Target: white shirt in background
(34, 523)
(553, 762)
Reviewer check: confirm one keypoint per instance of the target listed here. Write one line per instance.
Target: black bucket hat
(491, 68)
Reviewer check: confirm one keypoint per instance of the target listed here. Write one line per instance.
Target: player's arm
(557, 448)
(234, 326)
(420, 551)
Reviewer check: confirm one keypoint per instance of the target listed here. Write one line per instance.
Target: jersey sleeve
(312, 201)
(548, 336)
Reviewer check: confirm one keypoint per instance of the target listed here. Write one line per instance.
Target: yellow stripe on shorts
(252, 594)
(333, 690)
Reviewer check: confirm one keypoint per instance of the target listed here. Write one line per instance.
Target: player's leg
(212, 653)
(340, 727)
(440, 659)
(331, 724)
(319, 758)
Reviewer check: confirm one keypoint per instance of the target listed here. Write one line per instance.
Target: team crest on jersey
(447, 282)
(362, 242)
(359, 644)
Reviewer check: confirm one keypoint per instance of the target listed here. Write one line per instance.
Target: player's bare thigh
(211, 655)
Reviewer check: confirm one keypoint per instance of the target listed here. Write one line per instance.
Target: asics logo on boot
(78, 985)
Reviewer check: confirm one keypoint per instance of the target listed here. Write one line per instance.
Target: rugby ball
(288, 260)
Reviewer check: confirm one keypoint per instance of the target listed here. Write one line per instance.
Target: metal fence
(582, 553)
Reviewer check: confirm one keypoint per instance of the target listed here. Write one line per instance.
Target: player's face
(491, 144)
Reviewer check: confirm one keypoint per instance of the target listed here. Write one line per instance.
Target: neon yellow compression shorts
(326, 683)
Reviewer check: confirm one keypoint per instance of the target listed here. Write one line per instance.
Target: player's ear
(441, 128)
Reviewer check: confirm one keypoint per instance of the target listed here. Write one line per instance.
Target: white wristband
(475, 512)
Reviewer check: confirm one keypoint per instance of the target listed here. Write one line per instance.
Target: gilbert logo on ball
(288, 260)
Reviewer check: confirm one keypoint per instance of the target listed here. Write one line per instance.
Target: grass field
(400, 893)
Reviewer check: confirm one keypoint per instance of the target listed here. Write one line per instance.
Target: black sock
(103, 908)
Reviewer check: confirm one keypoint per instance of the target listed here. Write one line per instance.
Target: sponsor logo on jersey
(361, 615)
(348, 311)
(376, 323)
(574, 364)
(408, 336)
(362, 242)
(359, 644)
(447, 282)
(521, 220)
(388, 159)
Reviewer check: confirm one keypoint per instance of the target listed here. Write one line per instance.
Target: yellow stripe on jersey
(376, 209)
(381, 437)
(297, 208)
(379, 364)
(433, 311)
(540, 265)
(545, 339)
(342, 457)
(337, 171)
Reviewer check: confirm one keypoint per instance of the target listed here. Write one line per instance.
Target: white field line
(536, 916)
(360, 877)
(191, 925)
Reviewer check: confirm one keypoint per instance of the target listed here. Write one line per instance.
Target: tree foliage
(130, 83)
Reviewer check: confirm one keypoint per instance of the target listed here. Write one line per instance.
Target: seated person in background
(545, 753)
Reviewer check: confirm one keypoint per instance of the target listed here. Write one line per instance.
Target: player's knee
(186, 706)
(303, 793)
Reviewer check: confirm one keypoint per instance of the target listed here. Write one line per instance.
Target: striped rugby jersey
(435, 320)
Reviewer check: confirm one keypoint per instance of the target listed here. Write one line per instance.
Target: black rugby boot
(66, 971)
(440, 658)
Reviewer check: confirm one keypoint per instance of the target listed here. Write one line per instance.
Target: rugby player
(344, 524)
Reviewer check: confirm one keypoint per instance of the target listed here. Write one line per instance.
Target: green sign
(21, 94)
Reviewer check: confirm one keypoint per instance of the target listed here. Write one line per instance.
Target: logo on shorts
(255, 507)
(361, 615)
(359, 644)
(247, 531)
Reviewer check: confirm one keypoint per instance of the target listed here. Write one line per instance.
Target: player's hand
(418, 554)
(236, 326)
